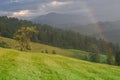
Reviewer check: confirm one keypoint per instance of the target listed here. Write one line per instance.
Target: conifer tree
(117, 58)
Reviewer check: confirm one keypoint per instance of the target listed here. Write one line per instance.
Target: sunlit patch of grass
(86, 55)
(16, 65)
(37, 47)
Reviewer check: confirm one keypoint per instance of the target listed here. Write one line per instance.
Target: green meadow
(37, 47)
(16, 65)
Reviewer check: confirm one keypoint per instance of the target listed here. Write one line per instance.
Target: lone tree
(23, 36)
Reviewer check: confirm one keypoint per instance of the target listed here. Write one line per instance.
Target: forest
(57, 37)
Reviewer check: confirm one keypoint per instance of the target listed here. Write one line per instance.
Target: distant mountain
(94, 28)
(111, 30)
(82, 24)
(61, 20)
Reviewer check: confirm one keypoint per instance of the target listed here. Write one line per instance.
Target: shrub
(53, 52)
(46, 51)
(4, 45)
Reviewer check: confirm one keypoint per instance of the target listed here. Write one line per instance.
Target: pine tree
(117, 58)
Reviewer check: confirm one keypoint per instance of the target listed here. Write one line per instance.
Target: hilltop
(61, 20)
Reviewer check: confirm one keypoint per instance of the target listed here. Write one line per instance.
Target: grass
(16, 65)
(83, 55)
(37, 47)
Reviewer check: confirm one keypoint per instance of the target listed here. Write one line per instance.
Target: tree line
(58, 37)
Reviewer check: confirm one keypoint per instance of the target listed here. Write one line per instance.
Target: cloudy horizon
(101, 9)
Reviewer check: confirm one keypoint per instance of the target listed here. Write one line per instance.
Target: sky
(100, 9)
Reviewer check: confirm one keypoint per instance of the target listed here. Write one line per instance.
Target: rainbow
(94, 19)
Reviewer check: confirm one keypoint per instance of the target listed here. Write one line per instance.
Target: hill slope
(37, 47)
(15, 65)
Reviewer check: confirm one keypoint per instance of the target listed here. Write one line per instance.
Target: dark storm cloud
(105, 9)
(102, 9)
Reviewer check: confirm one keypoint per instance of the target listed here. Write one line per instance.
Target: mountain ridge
(111, 29)
(79, 23)
(61, 20)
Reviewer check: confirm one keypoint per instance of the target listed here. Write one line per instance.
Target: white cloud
(57, 3)
(12, 1)
(21, 13)
(47, 7)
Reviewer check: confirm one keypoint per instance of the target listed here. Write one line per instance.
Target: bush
(46, 51)
(42, 51)
(4, 45)
(94, 57)
(53, 52)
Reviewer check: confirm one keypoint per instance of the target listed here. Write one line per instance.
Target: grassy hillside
(36, 47)
(86, 55)
(15, 65)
